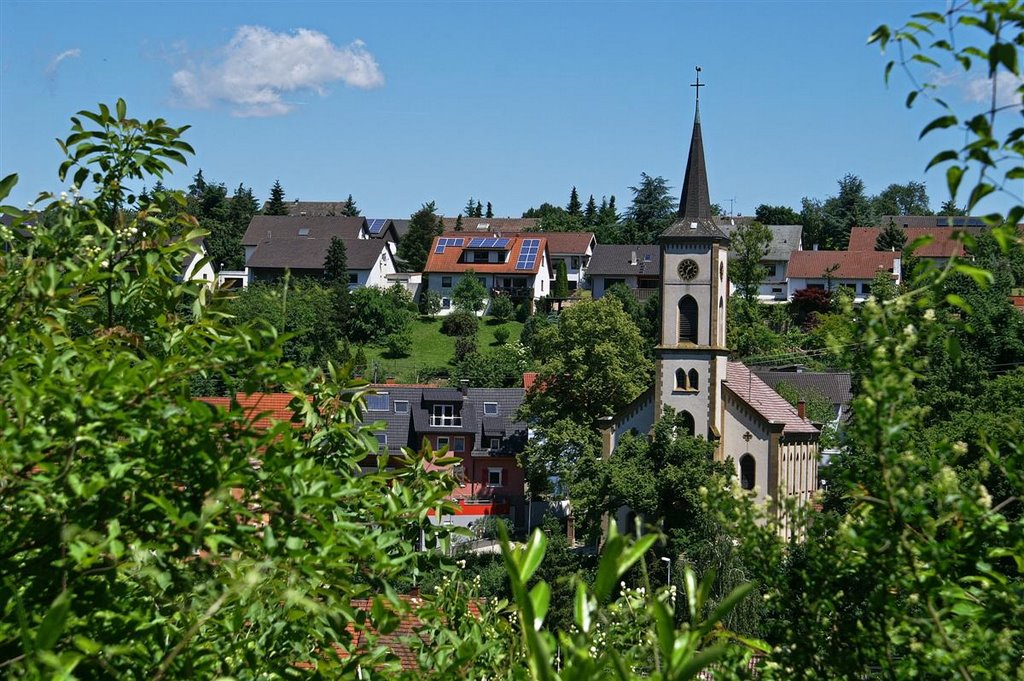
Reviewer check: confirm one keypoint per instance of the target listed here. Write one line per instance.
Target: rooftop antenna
(732, 205)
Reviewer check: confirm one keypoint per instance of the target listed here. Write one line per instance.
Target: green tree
(500, 367)
(502, 308)
(891, 238)
(137, 535)
(590, 212)
(490, 211)
(469, 294)
(776, 215)
(850, 208)
(574, 207)
(750, 243)
(458, 223)
(350, 207)
(542, 211)
(902, 199)
(560, 289)
(651, 211)
(813, 220)
(423, 227)
(302, 307)
(478, 211)
(336, 263)
(949, 207)
(375, 314)
(276, 205)
(430, 302)
(592, 364)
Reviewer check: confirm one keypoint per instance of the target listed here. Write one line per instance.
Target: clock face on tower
(688, 269)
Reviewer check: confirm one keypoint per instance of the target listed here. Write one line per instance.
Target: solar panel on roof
(528, 254)
(501, 243)
(378, 403)
(376, 225)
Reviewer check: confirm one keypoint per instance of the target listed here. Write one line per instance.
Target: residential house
(636, 266)
(834, 386)
(785, 240)
(299, 244)
(575, 249)
(517, 266)
(940, 249)
(831, 269)
(197, 267)
(478, 426)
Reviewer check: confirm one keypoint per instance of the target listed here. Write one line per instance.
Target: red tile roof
(745, 385)
(852, 264)
(942, 246)
(268, 407)
(448, 261)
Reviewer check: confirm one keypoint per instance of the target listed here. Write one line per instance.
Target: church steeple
(695, 201)
(694, 218)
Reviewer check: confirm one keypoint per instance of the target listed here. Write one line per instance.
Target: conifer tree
(891, 238)
(574, 207)
(560, 290)
(276, 206)
(478, 212)
(424, 225)
(490, 211)
(458, 223)
(470, 208)
(350, 208)
(590, 212)
(336, 263)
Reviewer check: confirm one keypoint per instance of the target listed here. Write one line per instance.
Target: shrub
(398, 344)
(464, 347)
(501, 335)
(502, 308)
(460, 324)
(430, 303)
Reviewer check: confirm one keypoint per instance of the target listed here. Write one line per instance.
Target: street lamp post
(668, 579)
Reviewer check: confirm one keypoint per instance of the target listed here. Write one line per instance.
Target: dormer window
(490, 408)
(444, 415)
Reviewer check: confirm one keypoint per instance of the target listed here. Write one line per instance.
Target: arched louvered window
(687, 320)
(687, 422)
(681, 379)
(694, 380)
(748, 469)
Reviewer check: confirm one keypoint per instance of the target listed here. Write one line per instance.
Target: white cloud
(254, 70)
(1007, 89)
(66, 54)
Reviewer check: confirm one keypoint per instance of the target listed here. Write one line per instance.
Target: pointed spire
(694, 219)
(695, 201)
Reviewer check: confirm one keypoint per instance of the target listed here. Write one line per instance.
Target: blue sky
(511, 103)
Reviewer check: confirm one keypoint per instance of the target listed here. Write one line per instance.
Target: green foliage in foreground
(145, 534)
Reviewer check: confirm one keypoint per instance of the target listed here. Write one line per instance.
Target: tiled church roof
(749, 388)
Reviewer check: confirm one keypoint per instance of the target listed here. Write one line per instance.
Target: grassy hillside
(431, 349)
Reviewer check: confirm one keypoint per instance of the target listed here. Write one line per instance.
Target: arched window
(681, 383)
(687, 320)
(687, 420)
(748, 469)
(694, 377)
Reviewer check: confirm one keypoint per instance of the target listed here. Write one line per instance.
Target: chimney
(632, 258)
(801, 409)
(464, 386)
(390, 380)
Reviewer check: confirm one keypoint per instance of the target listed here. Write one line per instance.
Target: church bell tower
(691, 357)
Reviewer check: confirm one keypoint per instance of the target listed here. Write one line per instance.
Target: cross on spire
(698, 84)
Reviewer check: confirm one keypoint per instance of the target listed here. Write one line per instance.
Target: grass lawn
(431, 349)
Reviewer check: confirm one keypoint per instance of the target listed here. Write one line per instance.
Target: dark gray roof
(694, 219)
(618, 260)
(785, 238)
(309, 253)
(834, 386)
(401, 228)
(267, 227)
(316, 208)
(407, 429)
(906, 221)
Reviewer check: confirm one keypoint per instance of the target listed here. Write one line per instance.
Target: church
(773, 446)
